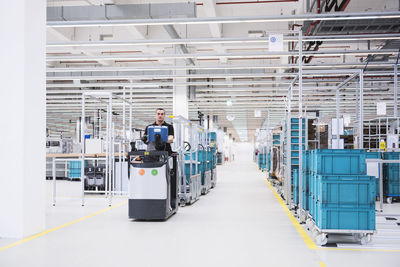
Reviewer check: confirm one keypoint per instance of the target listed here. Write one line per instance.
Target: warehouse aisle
(239, 223)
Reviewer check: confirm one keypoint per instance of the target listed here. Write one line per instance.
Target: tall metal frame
(110, 179)
(185, 131)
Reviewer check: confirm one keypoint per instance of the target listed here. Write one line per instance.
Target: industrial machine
(153, 187)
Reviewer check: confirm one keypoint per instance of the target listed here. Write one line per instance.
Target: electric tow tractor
(153, 187)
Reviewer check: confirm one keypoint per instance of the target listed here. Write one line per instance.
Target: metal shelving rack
(377, 130)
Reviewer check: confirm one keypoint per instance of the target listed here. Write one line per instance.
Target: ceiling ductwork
(121, 12)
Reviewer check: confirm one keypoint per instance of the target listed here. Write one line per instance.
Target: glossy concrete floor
(239, 223)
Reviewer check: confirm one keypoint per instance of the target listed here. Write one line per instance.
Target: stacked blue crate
(74, 169)
(213, 147)
(262, 161)
(343, 196)
(296, 186)
(305, 192)
(391, 175)
(276, 139)
(294, 140)
(306, 179)
(202, 166)
(189, 165)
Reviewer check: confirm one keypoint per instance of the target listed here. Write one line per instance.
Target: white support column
(23, 117)
(300, 120)
(180, 99)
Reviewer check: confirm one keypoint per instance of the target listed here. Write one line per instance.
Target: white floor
(239, 223)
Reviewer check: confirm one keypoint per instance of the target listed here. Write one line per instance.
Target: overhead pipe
(234, 19)
(313, 24)
(333, 37)
(218, 55)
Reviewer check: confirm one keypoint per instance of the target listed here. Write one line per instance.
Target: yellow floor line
(307, 239)
(60, 226)
(322, 264)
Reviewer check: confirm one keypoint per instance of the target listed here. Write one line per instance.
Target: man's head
(160, 115)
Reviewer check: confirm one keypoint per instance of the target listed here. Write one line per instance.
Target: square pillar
(23, 117)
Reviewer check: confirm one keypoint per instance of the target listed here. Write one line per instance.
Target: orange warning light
(141, 172)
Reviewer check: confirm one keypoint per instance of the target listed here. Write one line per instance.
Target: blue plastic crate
(187, 156)
(310, 207)
(391, 155)
(297, 133)
(391, 175)
(339, 162)
(74, 175)
(202, 155)
(373, 155)
(297, 147)
(187, 169)
(75, 164)
(352, 191)
(201, 168)
(212, 136)
(262, 161)
(296, 120)
(345, 218)
(295, 175)
(296, 126)
(295, 140)
(303, 192)
(392, 189)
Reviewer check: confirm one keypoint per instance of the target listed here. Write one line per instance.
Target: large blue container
(262, 161)
(391, 175)
(202, 154)
(303, 192)
(339, 162)
(351, 191)
(345, 218)
(295, 175)
(187, 171)
(212, 137)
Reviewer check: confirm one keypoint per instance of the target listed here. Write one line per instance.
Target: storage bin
(339, 162)
(345, 218)
(352, 191)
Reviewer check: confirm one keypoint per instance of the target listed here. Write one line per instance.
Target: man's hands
(144, 139)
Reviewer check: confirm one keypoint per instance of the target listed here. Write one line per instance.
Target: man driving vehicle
(160, 116)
